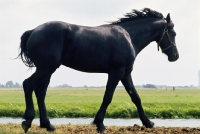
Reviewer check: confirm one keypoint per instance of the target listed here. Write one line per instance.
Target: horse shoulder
(124, 39)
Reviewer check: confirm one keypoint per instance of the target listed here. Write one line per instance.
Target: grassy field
(82, 102)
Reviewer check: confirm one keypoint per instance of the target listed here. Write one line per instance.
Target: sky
(150, 66)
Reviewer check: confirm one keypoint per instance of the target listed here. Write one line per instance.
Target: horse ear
(168, 18)
(169, 21)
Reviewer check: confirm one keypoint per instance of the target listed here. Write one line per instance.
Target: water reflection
(111, 122)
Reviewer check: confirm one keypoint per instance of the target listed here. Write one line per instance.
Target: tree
(9, 84)
(17, 85)
(149, 86)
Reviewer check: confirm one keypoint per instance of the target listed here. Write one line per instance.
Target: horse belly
(86, 62)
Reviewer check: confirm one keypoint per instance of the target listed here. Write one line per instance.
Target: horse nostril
(176, 56)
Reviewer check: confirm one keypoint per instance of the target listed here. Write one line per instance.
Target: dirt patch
(89, 129)
(136, 129)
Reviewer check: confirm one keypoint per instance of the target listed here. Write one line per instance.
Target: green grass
(74, 102)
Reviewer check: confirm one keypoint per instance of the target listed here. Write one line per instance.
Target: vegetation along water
(85, 102)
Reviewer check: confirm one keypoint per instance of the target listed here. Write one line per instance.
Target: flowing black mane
(136, 14)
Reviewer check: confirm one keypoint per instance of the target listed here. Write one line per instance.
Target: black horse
(110, 49)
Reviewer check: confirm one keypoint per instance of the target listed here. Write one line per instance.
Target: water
(113, 122)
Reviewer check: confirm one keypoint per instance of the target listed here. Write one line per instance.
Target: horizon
(65, 85)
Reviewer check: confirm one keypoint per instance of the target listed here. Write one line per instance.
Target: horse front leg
(128, 84)
(113, 79)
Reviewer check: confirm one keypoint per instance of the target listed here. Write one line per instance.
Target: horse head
(167, 40)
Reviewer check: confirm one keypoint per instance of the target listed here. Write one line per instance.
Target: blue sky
(150, 66)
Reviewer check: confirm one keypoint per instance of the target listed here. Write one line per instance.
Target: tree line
(11, 84)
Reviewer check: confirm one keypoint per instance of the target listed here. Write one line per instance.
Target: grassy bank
(182, 103)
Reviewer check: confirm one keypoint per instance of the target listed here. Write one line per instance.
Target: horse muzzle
(173, 57)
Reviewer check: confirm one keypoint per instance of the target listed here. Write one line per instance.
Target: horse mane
(136, 15)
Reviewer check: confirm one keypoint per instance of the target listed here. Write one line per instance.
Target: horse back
(97, 49)
(88, 49)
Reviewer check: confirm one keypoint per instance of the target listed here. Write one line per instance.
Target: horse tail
(23, 53)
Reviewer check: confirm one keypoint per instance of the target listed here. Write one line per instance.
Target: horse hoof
(150, 124)
(101, 130)
(25, 126)
(49, 127)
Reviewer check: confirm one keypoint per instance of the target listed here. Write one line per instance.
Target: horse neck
(143, 32)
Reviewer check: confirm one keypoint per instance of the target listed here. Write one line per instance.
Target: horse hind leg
(29, 115)
(38, 82)
(128, 84)
(40, 93)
